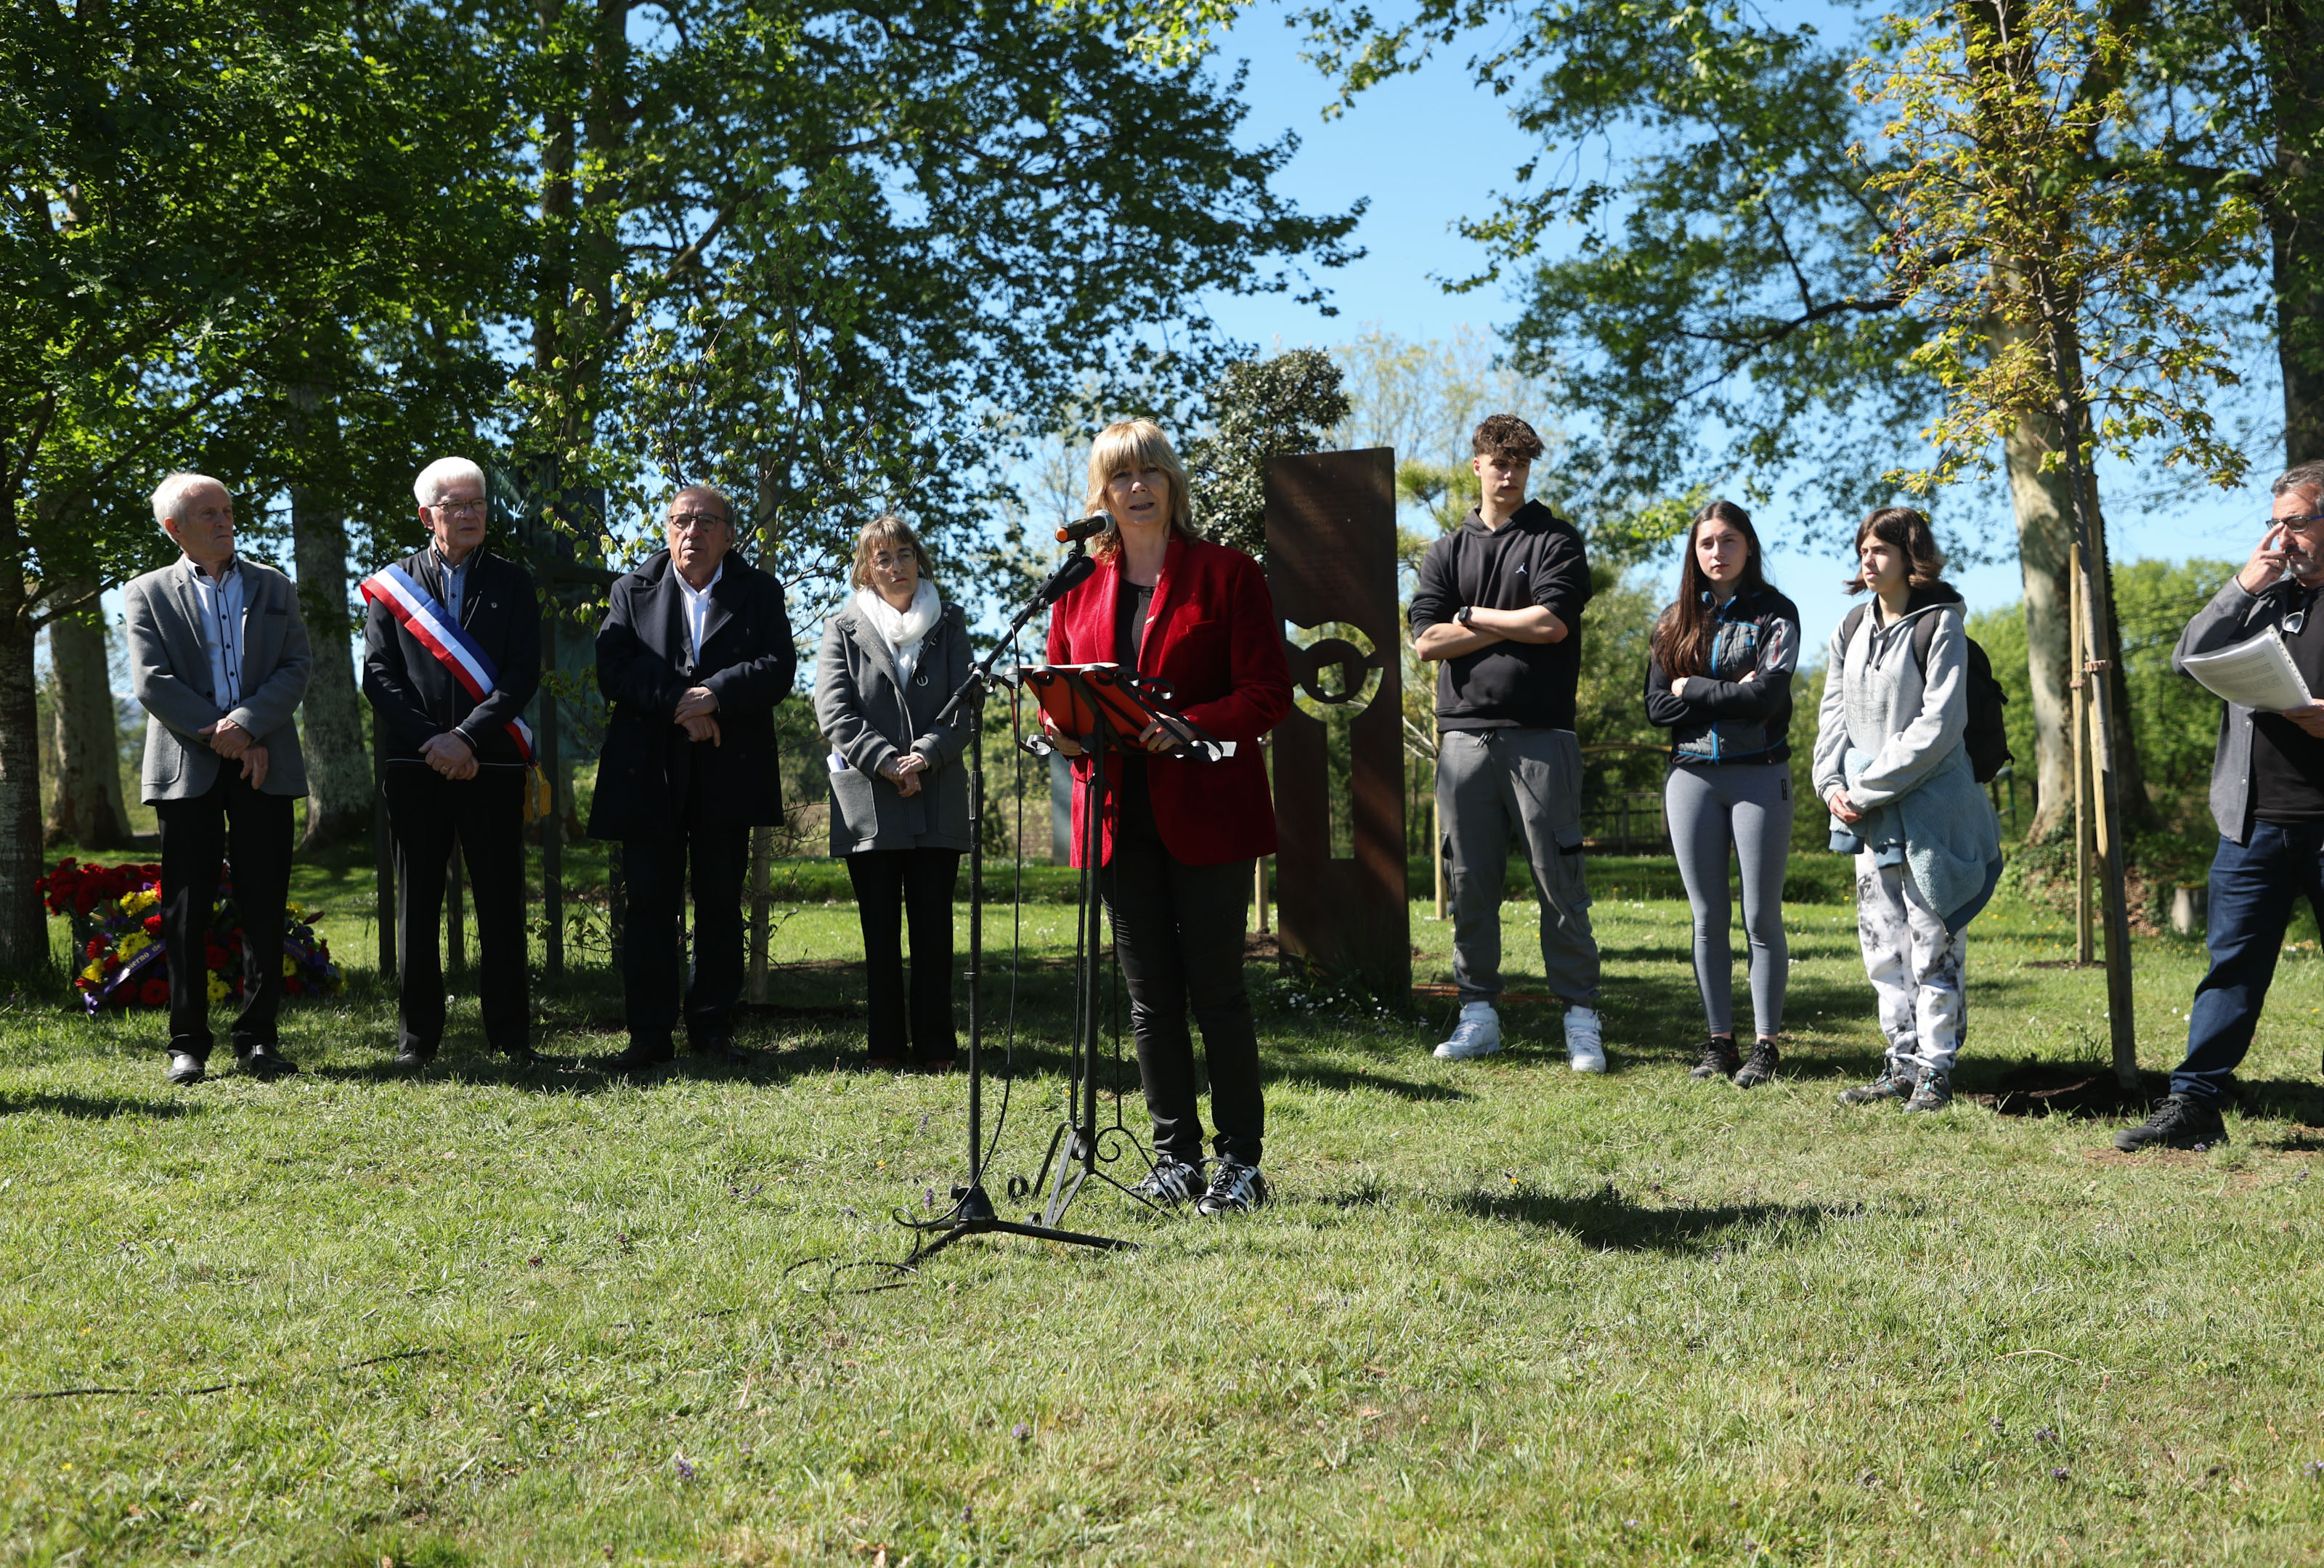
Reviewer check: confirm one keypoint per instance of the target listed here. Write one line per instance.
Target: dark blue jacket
(1731, 719)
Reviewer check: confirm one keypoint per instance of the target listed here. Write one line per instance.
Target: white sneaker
(1477, 1034)
(1585, 1040)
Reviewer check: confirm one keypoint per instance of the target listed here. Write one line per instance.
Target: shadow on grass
(91, 1107)
(1610, 1222)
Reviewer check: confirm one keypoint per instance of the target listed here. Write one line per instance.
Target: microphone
(1075, 532)
(1071, 573)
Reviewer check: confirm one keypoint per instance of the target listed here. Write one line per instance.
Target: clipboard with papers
(2257, 673)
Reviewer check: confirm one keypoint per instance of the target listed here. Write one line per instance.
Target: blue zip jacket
(1728, 719)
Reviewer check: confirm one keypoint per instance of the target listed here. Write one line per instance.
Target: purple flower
(1021, 1431)
(2045, 1434)
(686, 1470)
(2061, 1473)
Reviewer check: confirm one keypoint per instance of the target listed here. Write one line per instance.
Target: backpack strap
(1848, 625)
(1924, 635)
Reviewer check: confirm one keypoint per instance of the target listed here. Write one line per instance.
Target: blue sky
(1430, 148)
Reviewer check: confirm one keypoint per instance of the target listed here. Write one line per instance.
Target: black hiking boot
(1764, 1059)
(1720, 1059)
(2179, 1122)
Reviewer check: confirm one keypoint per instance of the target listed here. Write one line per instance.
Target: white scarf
(903, 631)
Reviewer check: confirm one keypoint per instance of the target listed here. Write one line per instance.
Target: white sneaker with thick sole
(1585, 1040)
(1477, 1034)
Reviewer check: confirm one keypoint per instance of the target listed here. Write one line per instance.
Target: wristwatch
(1463, 614)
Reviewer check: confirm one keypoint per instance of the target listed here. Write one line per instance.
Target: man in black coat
(456, 768)
(693, 655)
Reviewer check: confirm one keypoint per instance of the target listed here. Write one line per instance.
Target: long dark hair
(1908, 530)
(1682, 634)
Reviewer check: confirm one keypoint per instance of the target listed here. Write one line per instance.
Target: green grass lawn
(1499, 1313)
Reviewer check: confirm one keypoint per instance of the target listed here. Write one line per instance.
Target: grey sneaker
(1764, 1059)
(1170, 1183)
(1237, 1189)
(1934, 1092)
(1896, 1082)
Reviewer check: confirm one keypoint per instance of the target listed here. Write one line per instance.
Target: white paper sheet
(2258, 674)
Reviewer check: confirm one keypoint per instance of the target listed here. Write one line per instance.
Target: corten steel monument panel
(1330, 564)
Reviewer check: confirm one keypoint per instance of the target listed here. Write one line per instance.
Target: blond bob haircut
(883, 530)
(1124, 446)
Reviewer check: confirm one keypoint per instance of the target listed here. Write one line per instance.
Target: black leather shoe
(526, 1056)
(264, 1062)
(411, 1058)
(185, 1068)
(641, 1056)
(719, 1050)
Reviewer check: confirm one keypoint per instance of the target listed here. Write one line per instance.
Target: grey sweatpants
(1915, 966)
(1491, 784)
(1748, 805)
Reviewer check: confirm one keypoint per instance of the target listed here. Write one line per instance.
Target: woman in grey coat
(893, 653)
(1891, 763)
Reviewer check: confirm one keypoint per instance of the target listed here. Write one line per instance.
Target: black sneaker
(1720, 1059)
(1764, 1060)
(2179, 1122)
(1934, 1092)
(1896, 1082)
(1237, 1189)
(1170, 1183)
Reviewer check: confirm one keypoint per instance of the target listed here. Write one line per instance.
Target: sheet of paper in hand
(2256, 674)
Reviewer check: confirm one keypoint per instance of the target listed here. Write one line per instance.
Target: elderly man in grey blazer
(218, 658)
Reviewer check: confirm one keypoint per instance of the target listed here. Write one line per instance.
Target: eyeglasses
(889, 561)
(2299, 524)
(695, 522)
(462, 508)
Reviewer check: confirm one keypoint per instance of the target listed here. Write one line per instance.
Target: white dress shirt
(221, 616)
(698, 607)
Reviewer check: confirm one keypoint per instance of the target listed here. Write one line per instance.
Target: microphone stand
(972, 1213)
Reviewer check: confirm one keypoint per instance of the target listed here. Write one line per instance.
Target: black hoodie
(1534, 558)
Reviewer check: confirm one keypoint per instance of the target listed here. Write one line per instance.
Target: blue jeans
(2253, 886)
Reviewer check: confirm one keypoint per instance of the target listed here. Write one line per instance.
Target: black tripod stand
(972, 1213)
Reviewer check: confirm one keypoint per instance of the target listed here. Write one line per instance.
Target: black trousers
(424, 811)
(232, 823)
(892, 886)
(1178, 932)
(654, 876)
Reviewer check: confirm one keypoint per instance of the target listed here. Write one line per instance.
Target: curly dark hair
(1908, 530)
(1506, 436)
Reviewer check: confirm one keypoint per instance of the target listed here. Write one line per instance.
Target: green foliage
(1259, 409)
(2020, 232)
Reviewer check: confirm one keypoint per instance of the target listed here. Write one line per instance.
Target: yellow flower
(290, 967)
(138, 903)
(133, 943)
(94, 973)
(218, 987)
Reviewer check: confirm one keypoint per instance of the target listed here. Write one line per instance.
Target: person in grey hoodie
(892, 656)
(1891, 764)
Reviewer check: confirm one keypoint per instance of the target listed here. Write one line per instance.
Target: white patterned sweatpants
(1915, 966)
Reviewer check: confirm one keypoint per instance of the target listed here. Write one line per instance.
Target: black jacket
(648, 769)
(417, 699)
(1731, 719)
(1534, 558)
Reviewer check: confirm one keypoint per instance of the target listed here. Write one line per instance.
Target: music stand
(972, 1213)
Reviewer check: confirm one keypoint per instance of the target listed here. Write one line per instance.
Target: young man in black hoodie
(1499, 606)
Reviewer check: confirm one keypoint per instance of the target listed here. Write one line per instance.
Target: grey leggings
(1747, 805)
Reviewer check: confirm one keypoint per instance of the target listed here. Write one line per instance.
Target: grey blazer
(170, 671)
(868, 717)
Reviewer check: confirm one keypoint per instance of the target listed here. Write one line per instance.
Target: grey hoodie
(1892, 736)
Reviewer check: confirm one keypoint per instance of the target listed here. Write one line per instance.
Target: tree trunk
(86, 808)
(23, 924)
(2044, 530)
(338, 763)
(2297, 37)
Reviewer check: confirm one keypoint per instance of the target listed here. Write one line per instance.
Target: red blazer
(1214, 637)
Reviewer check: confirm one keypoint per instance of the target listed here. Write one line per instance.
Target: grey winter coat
(2231, 617)
(1892, 736)
(869, 719)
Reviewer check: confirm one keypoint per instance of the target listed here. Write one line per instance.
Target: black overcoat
(416, 698)
(647, 768)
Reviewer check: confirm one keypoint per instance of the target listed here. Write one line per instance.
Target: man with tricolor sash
(451, 657)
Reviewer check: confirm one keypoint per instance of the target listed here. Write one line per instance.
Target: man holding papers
(2268, 796)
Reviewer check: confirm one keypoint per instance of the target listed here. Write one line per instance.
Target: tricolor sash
(419, 613)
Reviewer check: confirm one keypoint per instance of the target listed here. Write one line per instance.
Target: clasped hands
(904, 770)
(694, 716)
(235, 744)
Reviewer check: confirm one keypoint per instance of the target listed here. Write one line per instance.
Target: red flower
(112, 962)
(153, 923)
(293, 986)
(215, 957)
(155, 991)
(95, 945)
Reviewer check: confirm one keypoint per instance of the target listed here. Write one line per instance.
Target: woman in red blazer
(1179, 833)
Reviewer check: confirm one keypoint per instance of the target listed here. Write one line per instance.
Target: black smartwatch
(1463, 614)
